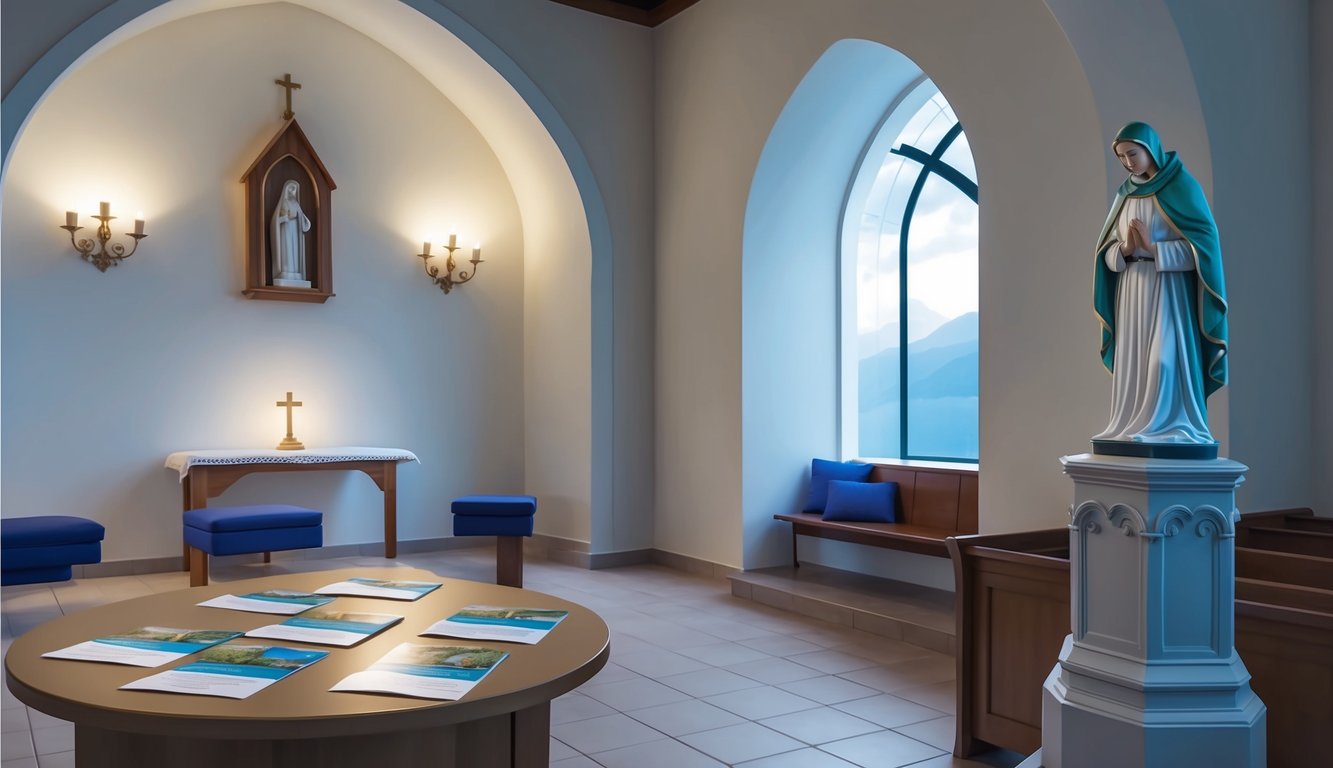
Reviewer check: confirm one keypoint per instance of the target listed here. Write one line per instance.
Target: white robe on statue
(1152, 399)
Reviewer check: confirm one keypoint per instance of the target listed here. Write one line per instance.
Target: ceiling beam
(645, 12)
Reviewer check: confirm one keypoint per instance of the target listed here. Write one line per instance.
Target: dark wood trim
(1285, 567)
(647, 17)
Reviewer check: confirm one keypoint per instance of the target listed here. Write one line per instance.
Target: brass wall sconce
(447, 281)
(97, 252)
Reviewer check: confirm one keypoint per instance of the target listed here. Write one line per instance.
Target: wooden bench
(1012, 611)
(934, 503)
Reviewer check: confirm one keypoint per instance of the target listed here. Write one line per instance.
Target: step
(914, 614)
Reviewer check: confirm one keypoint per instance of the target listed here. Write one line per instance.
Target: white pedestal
(1150, 675)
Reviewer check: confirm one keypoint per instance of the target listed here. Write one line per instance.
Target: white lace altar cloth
(181, 461)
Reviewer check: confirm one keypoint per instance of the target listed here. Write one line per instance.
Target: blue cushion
(10, 577)
(59, 555)
(258, 540)
(48, 530)
(252, 518)
(822, 471)
(851, 502)
(495, 505)
(484, 525)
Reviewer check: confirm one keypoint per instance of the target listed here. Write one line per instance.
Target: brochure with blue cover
(445, 672)
(283, 601)
(232, 671)
(493, 622)
(145, 646)
(393, 589)
(328, 627)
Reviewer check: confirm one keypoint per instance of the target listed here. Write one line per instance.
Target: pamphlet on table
(145, 646)
(445, 672)
(233, 671)
(328, 627)
(392, 589)
(284, 601)
(492, 622)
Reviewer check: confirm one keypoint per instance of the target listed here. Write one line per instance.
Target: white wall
(587, 381)
(1252, 67)
(104, 374)
(597, 73)
(1321, 126)
(726, 68)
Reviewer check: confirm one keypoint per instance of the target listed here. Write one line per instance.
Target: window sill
(962, 467)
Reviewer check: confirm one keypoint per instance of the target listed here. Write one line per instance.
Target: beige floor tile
(883, 749)
(722, 654)
(889, 711)
(658, 662)
(941, 696)
(58, 760)
(16, 746)
(575, 706)
(604, 733)
(738, 743)
(819, 726)
(832, 662)
(829, 689)
(559, 750)
(801, 758)
(939, 732)
(13, 719)
(781, 645)
(683, 717)
(668, 753)
(709, 682)
(758, 703)
(773, 671)
(50, 741)
(574, 762)
(633, 694)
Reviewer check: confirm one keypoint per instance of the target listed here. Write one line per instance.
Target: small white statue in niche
(288, 244)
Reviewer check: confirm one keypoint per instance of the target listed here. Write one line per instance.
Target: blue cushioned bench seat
(246, 530)
(43, 548)
(508, 519)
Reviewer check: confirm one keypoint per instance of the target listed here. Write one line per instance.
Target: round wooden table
(504, 721)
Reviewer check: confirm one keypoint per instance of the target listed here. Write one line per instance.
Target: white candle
(425, 248)
(71, 219)
(138, 223)
(476, 251)
(453, 240)
(106, 209)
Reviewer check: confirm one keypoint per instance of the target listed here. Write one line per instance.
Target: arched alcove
(563, 229)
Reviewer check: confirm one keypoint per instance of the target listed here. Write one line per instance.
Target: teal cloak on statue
(1181, 201)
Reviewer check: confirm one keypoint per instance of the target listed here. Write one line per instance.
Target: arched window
(910, 230)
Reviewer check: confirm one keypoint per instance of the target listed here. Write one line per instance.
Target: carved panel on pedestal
(1109, 552)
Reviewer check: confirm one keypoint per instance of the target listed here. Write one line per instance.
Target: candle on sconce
(425, 248)
(453, 240)
(476, 252)
(105, 209)
(71, 219)
(138, 223)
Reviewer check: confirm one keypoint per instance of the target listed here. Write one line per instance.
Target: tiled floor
(697, 677)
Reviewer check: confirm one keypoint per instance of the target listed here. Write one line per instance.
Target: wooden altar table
(205, 474)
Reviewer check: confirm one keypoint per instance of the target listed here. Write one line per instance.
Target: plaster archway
(561, 205)
(1026, 359)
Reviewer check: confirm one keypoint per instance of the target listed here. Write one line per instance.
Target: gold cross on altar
(289, 443)
(286, 82)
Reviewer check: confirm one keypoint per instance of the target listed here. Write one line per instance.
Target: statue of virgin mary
(1159, 294)
(289, 226)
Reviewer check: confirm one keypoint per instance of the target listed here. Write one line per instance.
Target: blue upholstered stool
(508, 519)
(245, 530)
(37, 549)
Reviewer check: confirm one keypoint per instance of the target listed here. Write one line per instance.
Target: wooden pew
(1011, 605)
(1296, 531)
(1284, 634)
(934, 503)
